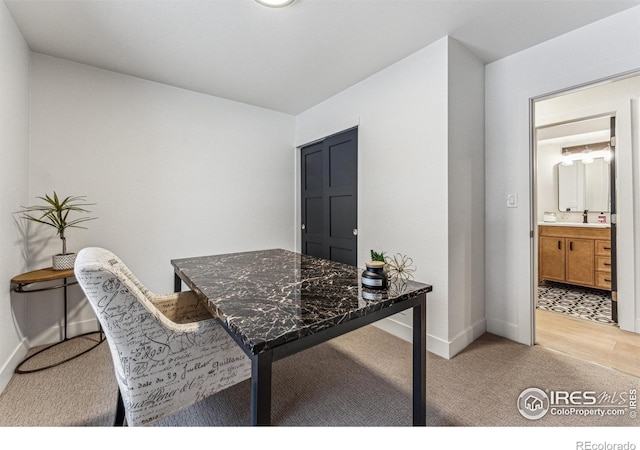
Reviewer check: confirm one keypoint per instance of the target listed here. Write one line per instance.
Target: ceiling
(574, 133)
(285, 59)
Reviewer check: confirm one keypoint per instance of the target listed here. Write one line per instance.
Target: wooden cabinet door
(580, 257)
(552, 258)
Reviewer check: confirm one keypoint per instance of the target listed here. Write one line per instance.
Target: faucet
(584, 216)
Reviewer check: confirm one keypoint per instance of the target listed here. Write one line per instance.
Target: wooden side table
(21, 284)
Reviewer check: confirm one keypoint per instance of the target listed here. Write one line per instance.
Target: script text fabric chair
(168, 351)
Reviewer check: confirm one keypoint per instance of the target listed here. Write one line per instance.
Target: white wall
(173, 174)
(597, 51)
(406, 157)
(466, 303)
(14, 154)
(548, 156)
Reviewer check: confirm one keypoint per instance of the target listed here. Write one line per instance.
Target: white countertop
(576, 224)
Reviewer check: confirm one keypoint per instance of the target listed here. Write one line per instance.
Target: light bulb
(275, 3)
(566, 159)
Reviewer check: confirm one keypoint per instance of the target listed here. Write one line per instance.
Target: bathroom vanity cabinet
(575, 255)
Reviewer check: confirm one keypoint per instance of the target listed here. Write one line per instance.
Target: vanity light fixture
(586, 153)
(566, 158)
(275, 3)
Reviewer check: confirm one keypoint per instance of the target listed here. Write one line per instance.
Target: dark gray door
(329, 193)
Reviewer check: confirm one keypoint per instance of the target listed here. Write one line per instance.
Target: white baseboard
(504, 329)
(435, 345)
(449, 349)
(399, 329)
(54, 334)
(50, 336)
(9, 367)
(466, 337)
(404, 331)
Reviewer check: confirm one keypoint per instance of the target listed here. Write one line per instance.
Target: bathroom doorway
(576, 217)
(575, 310)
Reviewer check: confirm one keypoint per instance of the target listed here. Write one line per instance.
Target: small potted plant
(55, 213)
(375, 256)
(374, 276)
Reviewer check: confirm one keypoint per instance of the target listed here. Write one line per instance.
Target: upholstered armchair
(168, 351)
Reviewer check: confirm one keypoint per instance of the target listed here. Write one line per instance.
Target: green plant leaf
(55, 213)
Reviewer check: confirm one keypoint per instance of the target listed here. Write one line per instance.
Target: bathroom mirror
(584, 186)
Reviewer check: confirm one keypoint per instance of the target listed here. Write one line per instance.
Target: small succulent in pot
(55, 213)
(375, 256)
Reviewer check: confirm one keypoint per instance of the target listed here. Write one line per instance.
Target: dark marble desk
(276, 303)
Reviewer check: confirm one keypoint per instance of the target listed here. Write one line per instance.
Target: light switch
(512, 200)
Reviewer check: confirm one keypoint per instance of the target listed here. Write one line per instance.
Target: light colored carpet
(360, 379)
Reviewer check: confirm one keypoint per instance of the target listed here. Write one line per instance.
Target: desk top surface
(269, 297)
(37, 276)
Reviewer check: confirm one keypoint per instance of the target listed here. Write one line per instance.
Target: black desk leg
(261, 388)
(177, 283)
(420, 364)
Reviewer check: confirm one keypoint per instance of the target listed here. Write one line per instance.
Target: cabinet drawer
(603, 280)
(603, 248)
(603, 263)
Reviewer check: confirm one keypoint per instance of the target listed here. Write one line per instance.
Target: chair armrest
(182, 307)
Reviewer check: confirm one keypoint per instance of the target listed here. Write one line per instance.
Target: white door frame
(628, 203)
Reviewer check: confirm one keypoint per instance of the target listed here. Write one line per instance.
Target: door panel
(341, 222)
(314, 249)
(551, 258)
(580, 261)
(312, 170)
(330, 179)
(342, 164)
(343, 255)
(314, 216)
(341, 153)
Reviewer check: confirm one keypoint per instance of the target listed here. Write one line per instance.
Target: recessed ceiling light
(275, 3)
